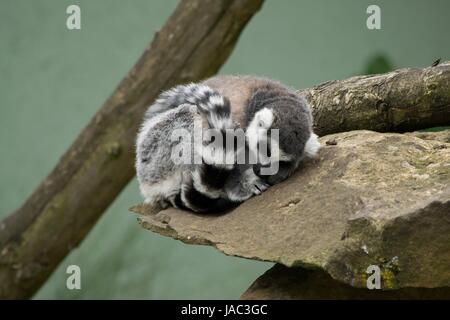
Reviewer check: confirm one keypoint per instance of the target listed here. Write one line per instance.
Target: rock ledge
(369, 199)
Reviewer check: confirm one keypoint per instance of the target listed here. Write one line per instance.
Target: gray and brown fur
(244, 97)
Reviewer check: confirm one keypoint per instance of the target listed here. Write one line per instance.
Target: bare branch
(399, 101)
(192, 45)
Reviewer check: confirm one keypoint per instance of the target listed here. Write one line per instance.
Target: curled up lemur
(235, 167)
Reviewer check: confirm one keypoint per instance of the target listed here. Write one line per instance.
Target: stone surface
(369, 199)
(443, 136)
(283, 283)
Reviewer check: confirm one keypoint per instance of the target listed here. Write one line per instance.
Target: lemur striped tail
(201, 189)
(215, 107)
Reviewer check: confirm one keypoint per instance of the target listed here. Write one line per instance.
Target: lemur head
(279, 131)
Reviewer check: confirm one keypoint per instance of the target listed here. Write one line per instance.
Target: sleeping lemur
(225, 105)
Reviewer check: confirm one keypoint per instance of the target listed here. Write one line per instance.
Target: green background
(52, 80)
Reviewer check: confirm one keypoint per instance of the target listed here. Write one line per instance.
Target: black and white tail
(201, 189)
(215, 107)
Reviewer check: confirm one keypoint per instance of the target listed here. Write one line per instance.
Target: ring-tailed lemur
(221, 103)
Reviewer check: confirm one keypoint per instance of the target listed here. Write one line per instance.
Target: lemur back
(239, 90)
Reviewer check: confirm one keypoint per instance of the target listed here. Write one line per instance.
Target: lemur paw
(259, 186)
(246, 186)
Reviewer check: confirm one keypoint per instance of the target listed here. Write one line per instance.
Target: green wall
(52, 81)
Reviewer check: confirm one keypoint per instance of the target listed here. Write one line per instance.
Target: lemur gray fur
(221, 103)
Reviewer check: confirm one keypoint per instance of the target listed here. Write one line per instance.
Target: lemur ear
(274, 117)
(226, 101)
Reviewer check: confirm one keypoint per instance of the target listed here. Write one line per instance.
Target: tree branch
(192, 45)
(399, 101)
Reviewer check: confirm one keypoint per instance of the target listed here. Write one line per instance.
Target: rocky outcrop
(369, 199)
(283, 283)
